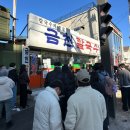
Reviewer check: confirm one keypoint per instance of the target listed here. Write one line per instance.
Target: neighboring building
(86, 22)
(116, 44)
(127, 54)
(83, 20)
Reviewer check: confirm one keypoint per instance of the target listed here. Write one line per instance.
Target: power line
(23, 29)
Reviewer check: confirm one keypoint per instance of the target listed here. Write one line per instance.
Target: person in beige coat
(86, 108)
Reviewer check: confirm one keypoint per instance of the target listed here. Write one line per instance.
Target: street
(23, 120)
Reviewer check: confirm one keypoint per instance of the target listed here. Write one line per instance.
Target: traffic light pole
(107, 60)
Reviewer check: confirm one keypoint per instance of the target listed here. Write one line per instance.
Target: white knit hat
(83, 74)
(3, 72)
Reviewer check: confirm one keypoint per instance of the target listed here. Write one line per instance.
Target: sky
(52, 9)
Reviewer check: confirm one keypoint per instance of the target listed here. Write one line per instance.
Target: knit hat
(83, 74)
(3, 72)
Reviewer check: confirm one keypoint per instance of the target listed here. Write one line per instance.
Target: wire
(23, 29)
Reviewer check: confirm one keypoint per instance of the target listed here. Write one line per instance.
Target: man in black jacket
(14, 76)
(53, 75)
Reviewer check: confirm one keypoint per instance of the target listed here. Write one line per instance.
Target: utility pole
(14, 21)
(15, 48)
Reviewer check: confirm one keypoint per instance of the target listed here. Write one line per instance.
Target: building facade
(127, 55)
(49, 42)
(87, 23)
(116, 44)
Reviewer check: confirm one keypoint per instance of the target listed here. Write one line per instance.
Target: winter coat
(98, 82)
(69, 84)
(53, 75)
(124, 78)
(13, 74)
(69, 89)
(6, 85)
(86, 110)
(23, 78)
(47, 113)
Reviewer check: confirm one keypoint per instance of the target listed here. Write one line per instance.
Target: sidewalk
(122, 120)
(23, 119)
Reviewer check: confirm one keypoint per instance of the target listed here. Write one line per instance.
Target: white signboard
(46, 34)
(25, 55)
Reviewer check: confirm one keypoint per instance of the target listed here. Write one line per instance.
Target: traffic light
(104, 20)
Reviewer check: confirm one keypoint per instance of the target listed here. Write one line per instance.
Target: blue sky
(52, 9)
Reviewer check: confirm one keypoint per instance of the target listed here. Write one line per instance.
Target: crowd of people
(83, 98)
(70, 101)
(9, 81)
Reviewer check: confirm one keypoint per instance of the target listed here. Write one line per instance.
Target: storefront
(48, 42)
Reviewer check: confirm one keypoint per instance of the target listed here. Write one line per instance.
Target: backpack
(110, 86)
(97, 83)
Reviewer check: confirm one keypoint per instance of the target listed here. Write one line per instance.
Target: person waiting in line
(6, 94)
(69, 82)
(86, 108)
(23, 82)
(47, 113)
(98, 82)
(124, 81)
(14, 76)
(53, 75)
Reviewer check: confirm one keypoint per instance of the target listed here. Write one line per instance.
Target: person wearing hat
(47, 113)
(6, 94)
(86, 108)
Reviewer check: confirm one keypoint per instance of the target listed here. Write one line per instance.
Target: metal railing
(75, 12)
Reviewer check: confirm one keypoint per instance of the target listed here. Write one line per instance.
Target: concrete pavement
(23, 120)
(122, 121)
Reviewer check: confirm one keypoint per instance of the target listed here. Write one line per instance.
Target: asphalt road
(22, 120)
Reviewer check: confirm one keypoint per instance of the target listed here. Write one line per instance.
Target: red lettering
(80, 43)
(96, 48)
(88, 45)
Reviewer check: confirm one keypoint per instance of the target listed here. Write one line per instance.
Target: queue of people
(84, 98)
(70, 101)
(81, 106)
(9, 81)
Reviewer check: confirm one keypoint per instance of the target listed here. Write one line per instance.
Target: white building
(127, 55)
